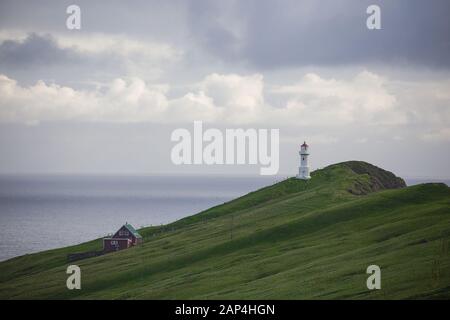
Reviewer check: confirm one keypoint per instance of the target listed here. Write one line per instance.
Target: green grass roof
(132, 230)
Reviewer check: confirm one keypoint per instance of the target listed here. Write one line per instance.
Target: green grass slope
(292, 240)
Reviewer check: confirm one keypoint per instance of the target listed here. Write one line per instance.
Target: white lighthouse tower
(303, 170)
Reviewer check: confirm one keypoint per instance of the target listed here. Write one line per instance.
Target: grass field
(293, 240)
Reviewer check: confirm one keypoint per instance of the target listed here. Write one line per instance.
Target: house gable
(132, 230)
(123, 232)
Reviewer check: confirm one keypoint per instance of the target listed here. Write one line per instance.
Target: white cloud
(366, 99)
(121, 102)
(437, 135)
(140, 58)
(314, 139)
(318, 101)
(361, 140)
(11, 34)
(193, 106)
(101, 43)
(241, 97)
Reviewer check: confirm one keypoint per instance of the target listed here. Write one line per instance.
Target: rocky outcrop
(379, 179)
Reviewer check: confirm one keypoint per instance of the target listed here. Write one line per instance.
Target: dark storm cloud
(34, 50)
(328, 32)
(39, 56)
(266, 34)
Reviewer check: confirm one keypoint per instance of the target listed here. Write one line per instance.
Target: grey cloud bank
(262, 34)
(296, 33)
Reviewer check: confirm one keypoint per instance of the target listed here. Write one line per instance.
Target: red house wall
(115, 244)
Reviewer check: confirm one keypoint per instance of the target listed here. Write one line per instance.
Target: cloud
(33, 50)
(318, 101)
(135, 54)
(323, 139)
(367, 99)
(437, 135)
(95, 52)
(273, 34)
(241, 97)
(122, 101)
(262, 34)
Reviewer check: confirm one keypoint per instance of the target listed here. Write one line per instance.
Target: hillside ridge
(313, 239)
(379, 179)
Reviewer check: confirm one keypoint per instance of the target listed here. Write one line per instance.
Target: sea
(40, 212)
(44, 212)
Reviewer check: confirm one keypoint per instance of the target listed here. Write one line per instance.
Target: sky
(104, 99)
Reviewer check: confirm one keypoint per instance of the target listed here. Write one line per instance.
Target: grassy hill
(292, 240)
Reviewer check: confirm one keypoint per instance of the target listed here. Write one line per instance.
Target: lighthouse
(303, 170)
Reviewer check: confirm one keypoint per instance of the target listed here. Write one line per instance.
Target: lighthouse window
(303, 158)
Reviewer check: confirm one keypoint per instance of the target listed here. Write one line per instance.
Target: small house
(124, 238)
